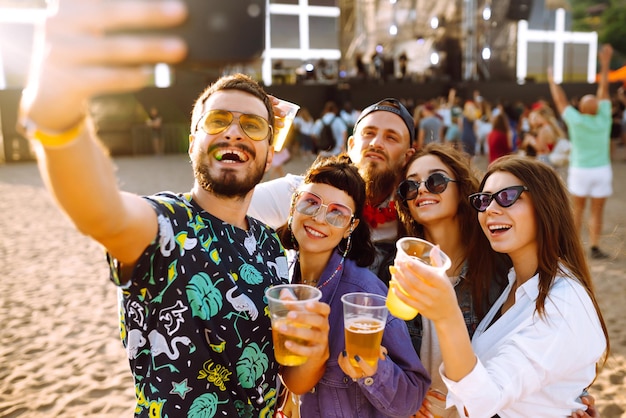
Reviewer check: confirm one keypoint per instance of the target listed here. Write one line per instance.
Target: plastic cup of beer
(280, 136)
(420, 250)
(281, 300)
(364, 318)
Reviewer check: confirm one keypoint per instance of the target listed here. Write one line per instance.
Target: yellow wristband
(58, 139)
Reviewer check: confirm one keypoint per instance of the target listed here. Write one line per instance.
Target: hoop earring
(348, 242)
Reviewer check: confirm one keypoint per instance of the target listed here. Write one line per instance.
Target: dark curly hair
(339, 172)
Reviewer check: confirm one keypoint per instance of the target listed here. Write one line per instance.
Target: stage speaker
(453, 63)
(519, 9)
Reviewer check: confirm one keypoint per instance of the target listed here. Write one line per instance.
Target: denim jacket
(400, 383)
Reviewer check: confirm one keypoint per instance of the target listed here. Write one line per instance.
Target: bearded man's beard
(379, 182)
(226, 183)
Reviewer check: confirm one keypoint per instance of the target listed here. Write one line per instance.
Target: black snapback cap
(393, 106)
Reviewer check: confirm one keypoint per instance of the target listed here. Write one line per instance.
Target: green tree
(614, 26)
(587, 14)
(607, 17)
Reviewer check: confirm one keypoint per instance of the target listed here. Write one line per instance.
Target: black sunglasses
(505, 197)
(436, 183)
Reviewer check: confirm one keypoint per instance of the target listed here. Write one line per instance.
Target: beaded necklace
(332, 276)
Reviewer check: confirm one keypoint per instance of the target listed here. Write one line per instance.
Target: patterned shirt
(194, 318)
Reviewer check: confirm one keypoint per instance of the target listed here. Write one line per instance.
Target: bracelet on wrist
(58, 139)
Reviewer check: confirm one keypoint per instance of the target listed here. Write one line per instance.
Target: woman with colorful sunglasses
(332, 249)
(527, 356)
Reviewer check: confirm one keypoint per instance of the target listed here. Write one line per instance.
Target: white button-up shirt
(530, 365)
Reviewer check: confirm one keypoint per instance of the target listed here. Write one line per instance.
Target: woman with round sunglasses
(433, 206)
(331, 248)
(526, 356)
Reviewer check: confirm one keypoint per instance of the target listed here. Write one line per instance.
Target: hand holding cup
(364, 319)
(419, 282)
(435, 405)
(299, 323)
(364, 369)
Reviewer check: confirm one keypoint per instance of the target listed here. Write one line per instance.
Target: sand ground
(60, 354)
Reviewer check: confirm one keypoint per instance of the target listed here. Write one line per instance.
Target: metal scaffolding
(406, 26)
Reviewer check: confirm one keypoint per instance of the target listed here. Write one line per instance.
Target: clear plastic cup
(281, 300)
(364, 318)
(280, 136)
(418, 249)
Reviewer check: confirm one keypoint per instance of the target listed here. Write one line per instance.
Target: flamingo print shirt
(194, 319)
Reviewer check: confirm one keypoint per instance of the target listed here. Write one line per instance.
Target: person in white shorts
(594, 182)
(590, 174)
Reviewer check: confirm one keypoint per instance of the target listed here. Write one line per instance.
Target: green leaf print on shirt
(252, 365)
(204, 298)
(204, 406)
(250, 274)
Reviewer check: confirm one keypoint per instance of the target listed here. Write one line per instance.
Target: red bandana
(375, 216)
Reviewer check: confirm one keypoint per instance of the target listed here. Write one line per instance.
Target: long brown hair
(559, 247)
(501, 123)
(484, 264)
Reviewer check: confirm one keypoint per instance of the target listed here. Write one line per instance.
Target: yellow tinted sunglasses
(215, 121)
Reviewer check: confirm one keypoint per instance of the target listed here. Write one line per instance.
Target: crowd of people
(478, 126)
(498, 334)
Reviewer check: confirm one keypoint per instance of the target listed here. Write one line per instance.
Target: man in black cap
(380, 147)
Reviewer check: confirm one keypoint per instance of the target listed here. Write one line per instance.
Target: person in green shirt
(590, 175)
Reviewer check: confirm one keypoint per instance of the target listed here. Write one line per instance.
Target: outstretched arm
(434, 297)
(558, 95)
(605, 54)
(73, 61)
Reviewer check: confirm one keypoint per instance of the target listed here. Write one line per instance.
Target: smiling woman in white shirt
(527, 357)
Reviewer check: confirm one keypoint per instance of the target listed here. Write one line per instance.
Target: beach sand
(60, 352)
